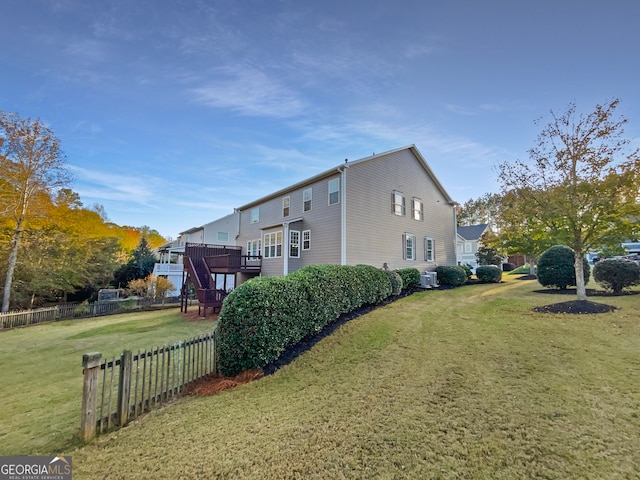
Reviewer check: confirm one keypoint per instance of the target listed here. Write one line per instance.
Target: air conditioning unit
(428, 279)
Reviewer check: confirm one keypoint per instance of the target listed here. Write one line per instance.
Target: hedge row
(263, 317)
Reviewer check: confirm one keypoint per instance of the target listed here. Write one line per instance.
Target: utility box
(428, 279)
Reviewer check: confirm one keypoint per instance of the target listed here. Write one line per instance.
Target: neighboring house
(468, 241)
(219, 232)
(388, 210)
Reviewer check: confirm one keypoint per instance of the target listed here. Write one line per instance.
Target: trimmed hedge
(263, 317)
(468, 272)
(556, 268)
(451, 276)
(396, 281)
(410, 277)
(616, 273)
(489, 273)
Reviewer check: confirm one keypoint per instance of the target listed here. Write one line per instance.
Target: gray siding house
(388, 210)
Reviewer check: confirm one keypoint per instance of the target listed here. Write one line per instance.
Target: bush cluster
(410, 277)
(489, 273)
(467, 271)
(451, 276)
(396, 281)
(261, 318)
(616, 273)
(556, 268)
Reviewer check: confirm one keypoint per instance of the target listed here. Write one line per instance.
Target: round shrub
(616, 273)
(556, 268)
(410, 277)
(489, 273)
(396, 281)
(451, 276)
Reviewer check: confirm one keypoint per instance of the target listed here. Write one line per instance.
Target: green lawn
(466, 383)
(41, 372)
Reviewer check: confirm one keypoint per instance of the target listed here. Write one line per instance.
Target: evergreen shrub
(451, 276)
(467, 271)
(489, 273)
(616, 273)
(410, 277)
(556, 268)
(396, 281)
(264, 316)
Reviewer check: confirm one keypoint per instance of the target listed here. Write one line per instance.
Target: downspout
(343, 212)
(455, 234)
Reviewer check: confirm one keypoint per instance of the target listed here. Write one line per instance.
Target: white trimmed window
(254, 248)
(429, 249)
(398, 206)
(286, 206)
(294, 243)
(416, 209)
(334, 191)
(273, 244)
(307, 194)
(255, 215)
(409, 243)
(467, 247)
(306, 240)
(222, 237)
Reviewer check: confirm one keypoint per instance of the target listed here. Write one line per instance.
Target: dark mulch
(575, 306)
(590, 292)
(527, 277)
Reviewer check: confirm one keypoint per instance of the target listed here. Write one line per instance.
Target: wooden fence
(117, 390)
(77, 310)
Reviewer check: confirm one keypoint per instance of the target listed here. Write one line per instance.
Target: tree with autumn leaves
(580, 187)
(50, 245)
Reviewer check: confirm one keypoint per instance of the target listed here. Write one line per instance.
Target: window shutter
(404, 246)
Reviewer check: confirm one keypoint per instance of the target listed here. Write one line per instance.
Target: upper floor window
(294, 244)
(306, 240)
(334, 191)
(416, 209)
(255, 215)
(398, 206)
(467, 247)
(409, 241)
(273, 244)
(306, 200)
(286, 206)
(429, 249)
(222, 237)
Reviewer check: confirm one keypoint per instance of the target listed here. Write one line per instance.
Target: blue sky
(172, 113)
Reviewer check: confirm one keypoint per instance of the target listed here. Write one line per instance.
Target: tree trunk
(579, 267)
(13, 259)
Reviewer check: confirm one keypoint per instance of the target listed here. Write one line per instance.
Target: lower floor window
(253, 248)
(306, 240)
(294, 244)
(429, 249)
(409, 241)
(273, 244)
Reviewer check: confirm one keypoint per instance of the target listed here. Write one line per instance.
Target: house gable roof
(472, 232)
(339, 168)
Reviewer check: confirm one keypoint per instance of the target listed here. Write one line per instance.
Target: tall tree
(481, 210)
(32, 165)
(580, 184)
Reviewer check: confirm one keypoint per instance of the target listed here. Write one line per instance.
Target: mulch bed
(576, 306)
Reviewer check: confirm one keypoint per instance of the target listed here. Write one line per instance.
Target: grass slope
(41, 372)
(465, 383)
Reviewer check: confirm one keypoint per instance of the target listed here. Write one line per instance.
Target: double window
(254, 248)
(273, 244)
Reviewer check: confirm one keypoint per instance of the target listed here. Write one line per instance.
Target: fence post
(90, 370)
(124, 387)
